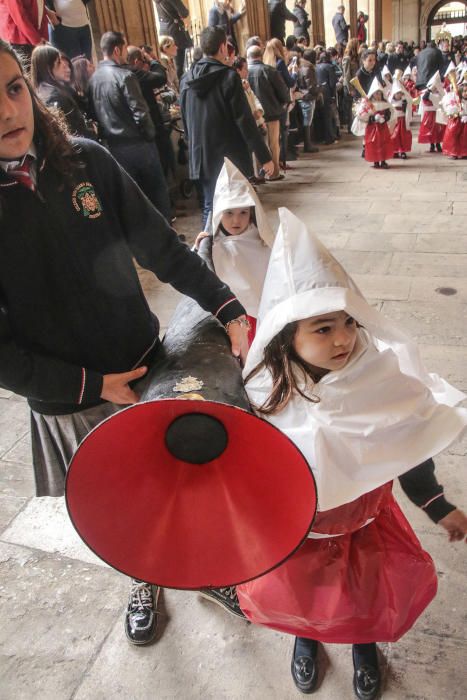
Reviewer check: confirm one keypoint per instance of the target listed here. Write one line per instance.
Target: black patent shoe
(304, 665)
(366, 678)
(226, 598)
(432, 148)
(439, 148)
(141, 613)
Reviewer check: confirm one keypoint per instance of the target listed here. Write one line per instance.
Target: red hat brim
(163, 520)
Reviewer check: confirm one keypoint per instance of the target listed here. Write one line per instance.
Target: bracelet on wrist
(241, 322)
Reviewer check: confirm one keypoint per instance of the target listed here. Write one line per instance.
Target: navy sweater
(72, 308)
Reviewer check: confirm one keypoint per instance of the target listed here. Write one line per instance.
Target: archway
(449, 16)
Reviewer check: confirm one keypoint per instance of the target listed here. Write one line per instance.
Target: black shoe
(226, 598)
(439, 148)
(366, 678)
(432, 148)
(376, 165)
(404, 156)
(363, 152)
(396, 155)
(384, 165)
(304, 666)
(141, 614)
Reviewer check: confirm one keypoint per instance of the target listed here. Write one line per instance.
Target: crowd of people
(86, 161)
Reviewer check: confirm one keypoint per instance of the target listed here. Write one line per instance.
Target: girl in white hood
(372, 118)
(349, 389)
(241, 239)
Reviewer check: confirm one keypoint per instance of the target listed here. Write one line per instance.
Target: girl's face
(327, 341)
(377, 96)
(171, 51)
(398, 96)
(61, 70)
(236, 221)
(16, 115)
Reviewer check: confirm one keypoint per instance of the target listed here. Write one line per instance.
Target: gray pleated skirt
(55, 440)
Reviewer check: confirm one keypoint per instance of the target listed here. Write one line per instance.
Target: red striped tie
(22, 173)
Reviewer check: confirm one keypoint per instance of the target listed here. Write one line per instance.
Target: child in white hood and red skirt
(371, 121)
(433, 121)
(401, 136)
(241, 239)
(348, 388)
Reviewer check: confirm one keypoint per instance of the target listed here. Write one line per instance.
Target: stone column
(317, 23)
(256, 22)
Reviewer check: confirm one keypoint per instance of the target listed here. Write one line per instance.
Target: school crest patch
(86, 201)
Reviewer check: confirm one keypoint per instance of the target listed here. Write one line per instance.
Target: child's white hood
(380, 415)
(240, 261)
(232, 191)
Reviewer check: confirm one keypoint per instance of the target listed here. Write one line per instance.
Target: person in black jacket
(125, 122)
(271, 90)
(171, 15)
(220, 15)
(48, 79)
(327, 81)
(279, 14)
(217, 118)
(429, 60)
(398, 60)
(369, 70)
(76, 331)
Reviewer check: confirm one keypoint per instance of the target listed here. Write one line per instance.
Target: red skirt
(378, 144)
(369, 584)
(401, 137)
(453, 136)
(463, 148)
(430, 130)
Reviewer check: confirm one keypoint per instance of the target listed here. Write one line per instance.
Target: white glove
(464, 119)
(380, 119)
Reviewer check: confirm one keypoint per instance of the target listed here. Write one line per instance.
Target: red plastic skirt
(401, 137)
(368, 585)
(455, 139)
(378, 144)
(430, 130)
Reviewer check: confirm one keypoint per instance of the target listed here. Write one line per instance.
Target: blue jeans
(308, 110)
(73, 41)
(141, 161)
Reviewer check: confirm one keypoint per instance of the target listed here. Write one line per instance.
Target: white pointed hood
(233, 190)
(240, 261)
(378, 416)
(386, 73)
(407, 73)
(374, 87)
(435, 83)
(451, 67)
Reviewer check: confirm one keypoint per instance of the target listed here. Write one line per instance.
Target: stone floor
(402, 234)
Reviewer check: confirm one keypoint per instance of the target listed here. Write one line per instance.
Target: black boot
(432, 148)
(304, 666)
(376, 165)
(439, 148)
(366, 678)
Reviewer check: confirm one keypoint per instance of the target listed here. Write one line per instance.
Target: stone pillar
(352, 17)
(375, 22)
(317, 23)
(256, 22)
(134, 18)
(406, 19)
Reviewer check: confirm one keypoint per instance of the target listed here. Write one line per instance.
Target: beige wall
(387, 19)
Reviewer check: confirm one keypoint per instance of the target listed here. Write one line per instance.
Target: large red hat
(190, 494)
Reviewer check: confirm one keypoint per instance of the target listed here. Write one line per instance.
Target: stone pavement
(402, 234)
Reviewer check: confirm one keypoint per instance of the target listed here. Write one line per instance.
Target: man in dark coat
(398, 60)
(278, 15)
(340, 26)
(429, 60)
(171, 15)
(217, 118)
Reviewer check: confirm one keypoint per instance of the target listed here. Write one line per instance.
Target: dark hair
(64, 57)
(368, 52)
(50, 130)
(290, 42)
(239, 63)
(43, 60)
(134, 54)
(324, 57)
(310, 55)
(80, 82)
(253, 41)
(211, 39)
(110, 41)
(281, 359)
